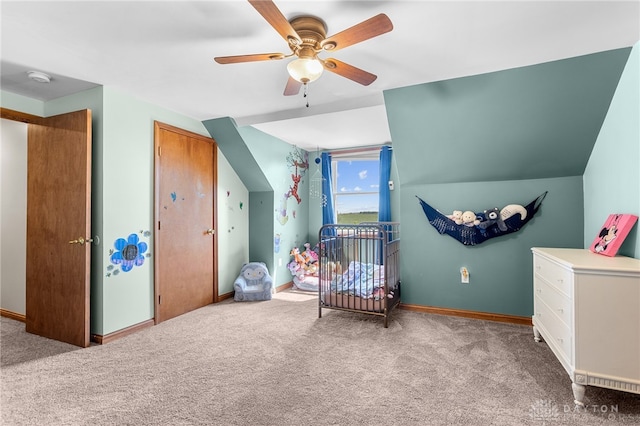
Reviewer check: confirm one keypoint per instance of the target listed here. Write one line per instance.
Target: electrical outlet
(464, 275)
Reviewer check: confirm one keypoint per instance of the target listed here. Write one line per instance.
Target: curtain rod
(356, 150)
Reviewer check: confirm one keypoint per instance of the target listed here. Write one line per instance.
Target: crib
(360, 268)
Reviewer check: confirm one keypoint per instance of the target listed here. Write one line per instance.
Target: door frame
(69, 335)
(9, 114)
(157, 127)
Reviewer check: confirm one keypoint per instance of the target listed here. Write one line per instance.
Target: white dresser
(587, 308)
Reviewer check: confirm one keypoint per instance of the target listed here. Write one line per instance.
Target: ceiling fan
(306, 37)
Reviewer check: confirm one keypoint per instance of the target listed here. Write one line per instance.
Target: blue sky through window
(354, 179)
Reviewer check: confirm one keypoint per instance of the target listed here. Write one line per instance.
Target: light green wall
(22, 103)
(128, 202)
(277, 215)
(612, 176)
(233, 225)
(277, 222)
(122, 200)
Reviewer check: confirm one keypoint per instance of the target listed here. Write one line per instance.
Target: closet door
(185, 240)
(58, 223)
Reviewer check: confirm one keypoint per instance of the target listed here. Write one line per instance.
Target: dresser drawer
(557, 302)
(560, 335)
(554, 274)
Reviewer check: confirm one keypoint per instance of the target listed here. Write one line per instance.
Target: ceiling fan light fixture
(305, 70)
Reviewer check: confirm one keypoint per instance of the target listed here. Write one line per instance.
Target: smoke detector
(38, 76)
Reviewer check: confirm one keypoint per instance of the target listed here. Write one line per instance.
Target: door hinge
(159, 151)
(158, 225)
(159, 299)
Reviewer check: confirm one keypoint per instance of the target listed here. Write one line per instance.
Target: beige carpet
(276, 363)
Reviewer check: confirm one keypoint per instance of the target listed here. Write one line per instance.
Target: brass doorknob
(211, 231)
(81, 241)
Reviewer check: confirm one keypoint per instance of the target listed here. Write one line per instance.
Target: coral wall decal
(298, 163)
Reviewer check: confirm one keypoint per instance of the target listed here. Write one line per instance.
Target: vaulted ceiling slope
(539, 121)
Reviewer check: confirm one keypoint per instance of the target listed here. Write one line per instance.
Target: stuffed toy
(297, 257)
(311, 269)
(309, 255)
(304, 263)
(334, 268)
(513, 209)
(492, 217)
(468, 218)
(295, 269)
(456, 216)
(378, 293)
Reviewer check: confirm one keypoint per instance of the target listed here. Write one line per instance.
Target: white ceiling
(162, 52)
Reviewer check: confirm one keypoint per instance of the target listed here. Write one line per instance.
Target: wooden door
(58, 212)
(185, 240)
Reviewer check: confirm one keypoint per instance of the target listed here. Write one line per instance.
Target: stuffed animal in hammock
(492, 217)
(468, 218)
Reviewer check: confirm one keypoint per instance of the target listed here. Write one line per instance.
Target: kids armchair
(253, 283)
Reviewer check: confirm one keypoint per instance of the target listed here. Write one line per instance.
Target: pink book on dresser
(613, 233)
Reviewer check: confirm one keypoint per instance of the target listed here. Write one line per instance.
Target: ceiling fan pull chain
(306, 93)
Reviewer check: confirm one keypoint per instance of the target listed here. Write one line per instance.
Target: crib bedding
(359, 279)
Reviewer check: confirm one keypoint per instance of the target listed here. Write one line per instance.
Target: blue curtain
(384, 203)
(328, 216)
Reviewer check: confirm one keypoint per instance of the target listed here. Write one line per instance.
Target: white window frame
(352, 155)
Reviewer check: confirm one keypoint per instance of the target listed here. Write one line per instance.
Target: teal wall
(612, 176)
(490, 140)
(501, 268)
(261, 229)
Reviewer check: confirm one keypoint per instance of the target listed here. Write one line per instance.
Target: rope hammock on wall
(483, 226)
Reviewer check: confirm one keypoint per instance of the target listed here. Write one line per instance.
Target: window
(355, 188)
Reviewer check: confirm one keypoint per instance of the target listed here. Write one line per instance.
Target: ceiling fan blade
(365, 30)
(349, 71)
(293, 87)
(248, 58)
(276, 19)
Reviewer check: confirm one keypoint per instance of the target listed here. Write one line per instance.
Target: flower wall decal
(129, 252)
